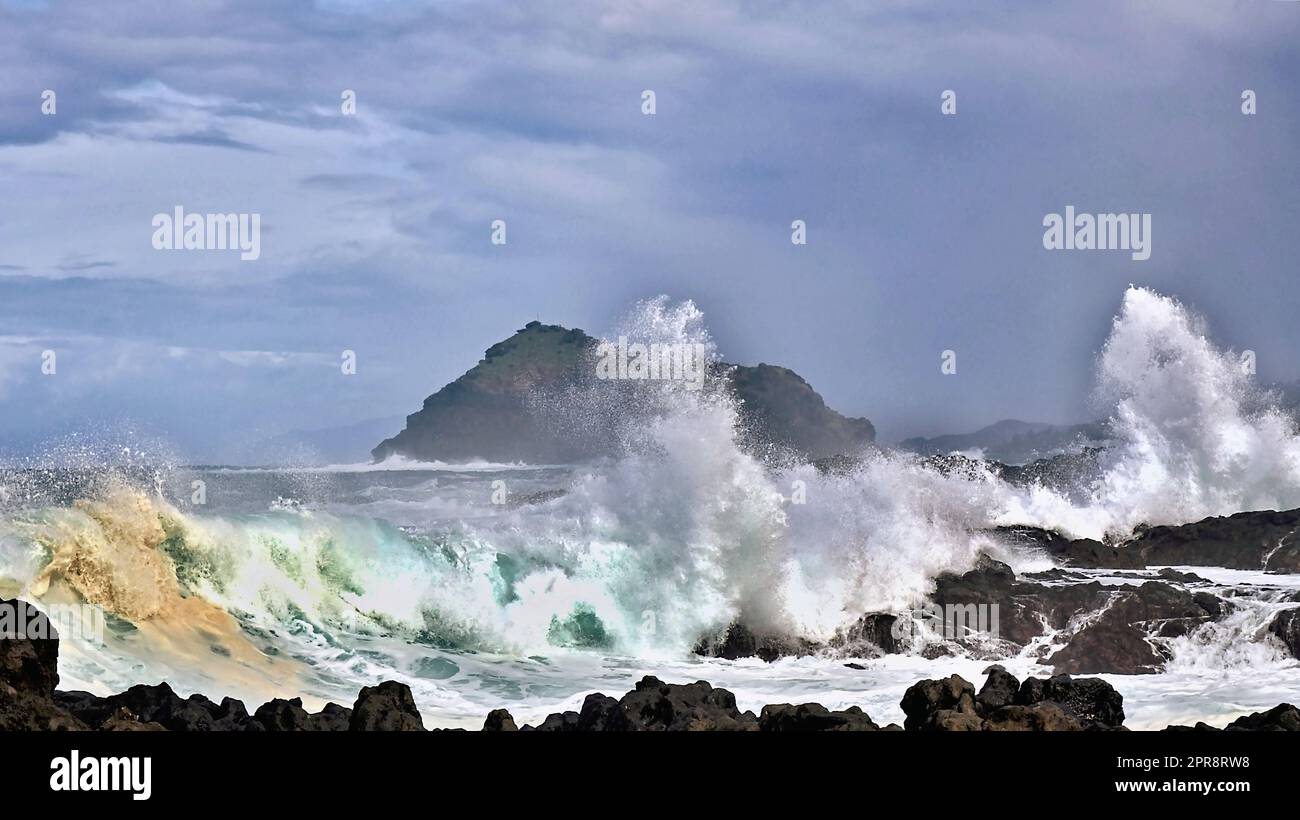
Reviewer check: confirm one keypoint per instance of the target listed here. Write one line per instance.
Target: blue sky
(924, 230)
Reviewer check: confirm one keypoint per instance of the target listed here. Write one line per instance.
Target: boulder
(1250, 540)
(24, 712)
(499, 720)
(813, 717)
(1092, 700)
(738, 641)
(1286, 627)
(123, 721)
(656, 706)
(388, 707)
(1201, 726)
(601, 713)
(1281, 718)
(870, 636)
(1023, 608)
(1109, 647)
(939, 704)
(281, 715)
(999, 690)
(1040, 717)
(29, 649)
(1085, 552)
(159, 704)
(557, 722)
(1120, 639)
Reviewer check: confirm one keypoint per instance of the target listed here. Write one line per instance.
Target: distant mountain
(511, 406)
(1014, 442)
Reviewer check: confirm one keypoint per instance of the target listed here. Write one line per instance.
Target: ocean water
(527, 587)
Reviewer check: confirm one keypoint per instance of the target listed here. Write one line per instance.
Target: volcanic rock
(388, 707)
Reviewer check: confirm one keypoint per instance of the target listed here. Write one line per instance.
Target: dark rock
(91, 709)
(999, 690)
(499, 720)
(1249, 540)
(281, 715)
(938, 704)
(871, 635)
(1109, 647)
(1092, 700)
(1049, 541)
(1022, 608)
(159, 704)
(1119, 639)
(333, 717)
(658, 706)
(737, 641)
(1056, 574)
(954, 720)
(123, 721)
(813, 717)
(1171, 574)
(1286, 627)
(1281, 718)
(601, 713)
(388, 707)
(1086, 552)
(1040, 717)
(493, 411)
(564, 722)
(24, 712)
(29, 649)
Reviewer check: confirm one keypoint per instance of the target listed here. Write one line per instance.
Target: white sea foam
(687, 532)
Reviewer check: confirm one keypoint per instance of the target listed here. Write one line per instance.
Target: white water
(411, 571)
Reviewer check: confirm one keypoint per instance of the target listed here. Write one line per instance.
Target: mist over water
(320, 581)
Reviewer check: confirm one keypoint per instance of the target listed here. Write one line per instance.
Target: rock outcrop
(502, 409)
(1120, 639)
(1106, 629)
(1281, 718)
(738, 641)
(1285, 626)
(1262, 540)
(1249, 540)
(386, 707)
(1060, 703)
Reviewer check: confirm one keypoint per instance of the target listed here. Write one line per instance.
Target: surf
(416, 573)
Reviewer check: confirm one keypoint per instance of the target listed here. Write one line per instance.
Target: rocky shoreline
(1078, 625)
(31, 701)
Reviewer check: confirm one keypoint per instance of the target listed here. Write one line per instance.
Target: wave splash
(686, 532)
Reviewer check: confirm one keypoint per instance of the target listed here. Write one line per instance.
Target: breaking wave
(683, 535)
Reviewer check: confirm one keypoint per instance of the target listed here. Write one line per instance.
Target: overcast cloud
(924, 230)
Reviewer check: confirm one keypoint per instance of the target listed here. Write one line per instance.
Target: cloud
(376, 227)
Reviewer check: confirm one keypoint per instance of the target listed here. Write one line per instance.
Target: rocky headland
(515, 406)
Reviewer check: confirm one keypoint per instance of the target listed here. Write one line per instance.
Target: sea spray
(1194, 436)
(635, 557)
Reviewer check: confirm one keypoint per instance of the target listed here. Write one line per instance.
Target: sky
(924, 230)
